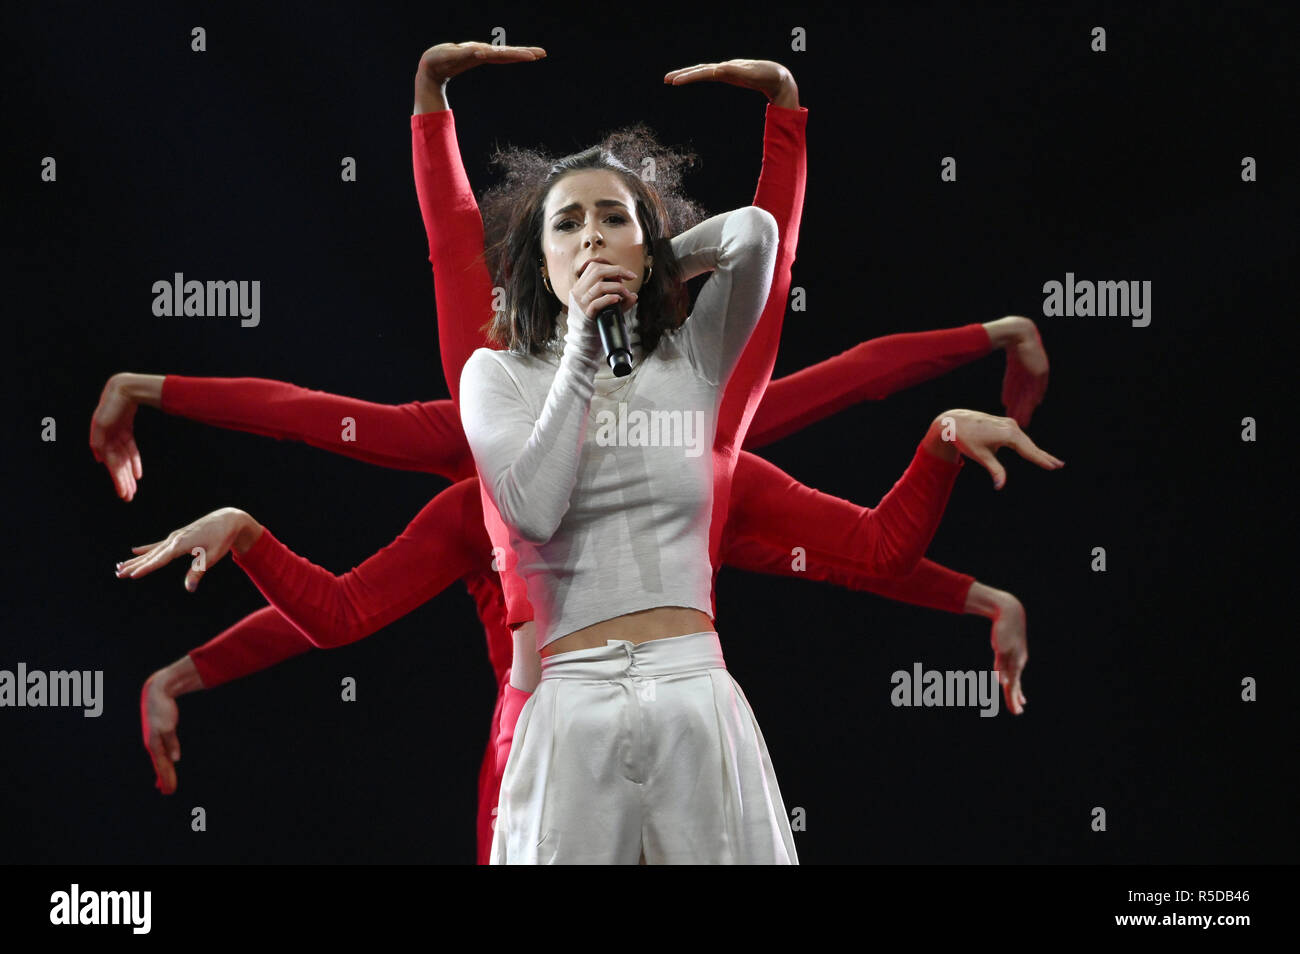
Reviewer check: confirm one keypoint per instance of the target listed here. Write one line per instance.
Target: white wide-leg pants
(631, 748)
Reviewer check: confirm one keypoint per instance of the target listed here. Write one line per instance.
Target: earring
(646, 280)
(547, 284)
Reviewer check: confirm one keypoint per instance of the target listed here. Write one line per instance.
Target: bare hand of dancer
(1025, 381)
(771, 79)
(1010, 647)
(112, 434)
(979, 436)
(440, 63)
(207, 539)
(1010, 650)
(158, 718)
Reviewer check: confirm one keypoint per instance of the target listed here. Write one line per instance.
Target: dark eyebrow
(599, 203)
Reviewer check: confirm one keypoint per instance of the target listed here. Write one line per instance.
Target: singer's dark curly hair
(512, 222)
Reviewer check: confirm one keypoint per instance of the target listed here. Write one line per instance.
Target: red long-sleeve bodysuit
(446, 540)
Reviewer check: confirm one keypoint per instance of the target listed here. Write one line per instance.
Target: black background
(1123, 165)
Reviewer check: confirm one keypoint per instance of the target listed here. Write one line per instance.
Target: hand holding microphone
(600, 293)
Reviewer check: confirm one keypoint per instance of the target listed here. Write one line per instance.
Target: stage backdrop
(959, 161)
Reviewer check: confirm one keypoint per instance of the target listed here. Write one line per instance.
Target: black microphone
(614, 338)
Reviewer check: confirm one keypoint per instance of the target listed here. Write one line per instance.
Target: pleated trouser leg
(647, 747)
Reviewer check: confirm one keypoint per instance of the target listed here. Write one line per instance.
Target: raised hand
(979, 436)
(112, 437)
(440, 63)
(770, 78)
(207, 539)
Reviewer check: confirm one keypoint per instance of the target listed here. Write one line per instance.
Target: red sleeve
(889, 540)
(512, 704)
(418, 436)
(929, 584)
(442, 544)
(780, 192)
(464, 296)
(870, 371)
(256, 642)
(265, 638)
(462, 287)
(489, 782)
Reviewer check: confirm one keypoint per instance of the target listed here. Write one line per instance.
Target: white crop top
(605, 483)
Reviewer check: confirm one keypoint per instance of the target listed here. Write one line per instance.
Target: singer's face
(590, 214)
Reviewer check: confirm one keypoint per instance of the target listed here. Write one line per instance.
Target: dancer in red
(614, 540)
(747, 381)
(451, 470)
